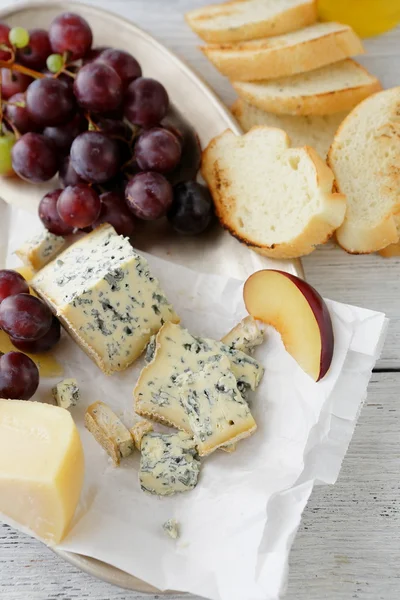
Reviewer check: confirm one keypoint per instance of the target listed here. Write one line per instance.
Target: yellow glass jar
(367, 17)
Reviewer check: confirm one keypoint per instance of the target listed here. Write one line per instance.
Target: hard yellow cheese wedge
(41, 467)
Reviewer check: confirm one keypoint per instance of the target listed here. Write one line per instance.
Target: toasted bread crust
(284, 22)
(246, 63)
(317, 231)
(317, 104)
(383, 236)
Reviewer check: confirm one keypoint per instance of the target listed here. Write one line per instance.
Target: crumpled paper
(238, 525)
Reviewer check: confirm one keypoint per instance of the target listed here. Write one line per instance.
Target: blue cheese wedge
(109, 431)
(171, 528)
(40, 250)
(106, 297)
(245, 336)
(66, 393)
(157, 395)
(216, 410)
(168, 463)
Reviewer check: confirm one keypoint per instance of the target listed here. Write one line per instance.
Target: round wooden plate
(219, 253)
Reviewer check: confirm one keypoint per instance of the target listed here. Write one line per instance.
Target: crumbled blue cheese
(216, 410)
(157, 394)
(107, 298)
(40, 250)
(66, 393)
(109, 431)
(171, 528)
(245, 336)
(168, 463)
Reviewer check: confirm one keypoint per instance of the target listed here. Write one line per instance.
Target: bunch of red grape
(31, 327)
(89, 114)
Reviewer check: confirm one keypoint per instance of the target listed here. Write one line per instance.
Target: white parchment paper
(238, 525)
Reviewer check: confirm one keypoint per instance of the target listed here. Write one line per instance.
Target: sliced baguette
(250, 19)
(308, 130)
(310, 48)
(364, 157)
(329, 89)
(276, 199)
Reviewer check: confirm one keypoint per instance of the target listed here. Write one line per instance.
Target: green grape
(55, 63)
(19, 37)
(7, 141)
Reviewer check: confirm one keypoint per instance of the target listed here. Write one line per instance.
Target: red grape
(25, 317)
(123, 63)
(43, 344)
(63, 135)
(12, 283)
(4, 31)
(79, 205)
(13, 83)
(34, 158)
(95, 156)
(49, 216)
(146, 102)
(70, 33)
(192, 209)
(19, 376)
(94, 53)
(98, 87)
(67, 175)
(148, 195)
(115, 212)
(50, 102)
(114, 128)
(158, 150)
(34, 55)
(18, 115)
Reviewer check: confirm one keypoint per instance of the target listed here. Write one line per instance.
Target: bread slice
(308, 130)
(276, 199)
(364, 157)
(250, 19)
(324, 91)
(303, 50)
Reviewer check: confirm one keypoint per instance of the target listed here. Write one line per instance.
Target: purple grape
(43, 344)
(192, 209)
(67, 175)
(148, 195)
(95, 156)
(158, 150)
(70, 33)
(34, 158)
(4, 41)
(18, 114)
(25, 317)
(50, 102)
(123, 63)
(98, 88)
(12, 283)
(49, 216)
(13, 83)
(79, 206)
(115, 212)
(34, 55)
(146, 102)
(19, 376)
(63, 135)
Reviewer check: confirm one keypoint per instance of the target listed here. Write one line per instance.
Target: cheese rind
(41, 467)
(105, 295)
(66, 393)
(40, 250)
(216, 410)
(156, 394)
(168, 463)
(139, 430)
(245, 336)
(109, 431)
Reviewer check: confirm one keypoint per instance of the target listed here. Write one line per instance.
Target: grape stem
(9, 64)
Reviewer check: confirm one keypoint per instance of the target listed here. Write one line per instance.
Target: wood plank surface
(348, 545)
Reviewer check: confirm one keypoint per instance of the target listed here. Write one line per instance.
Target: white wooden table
(349, 543)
